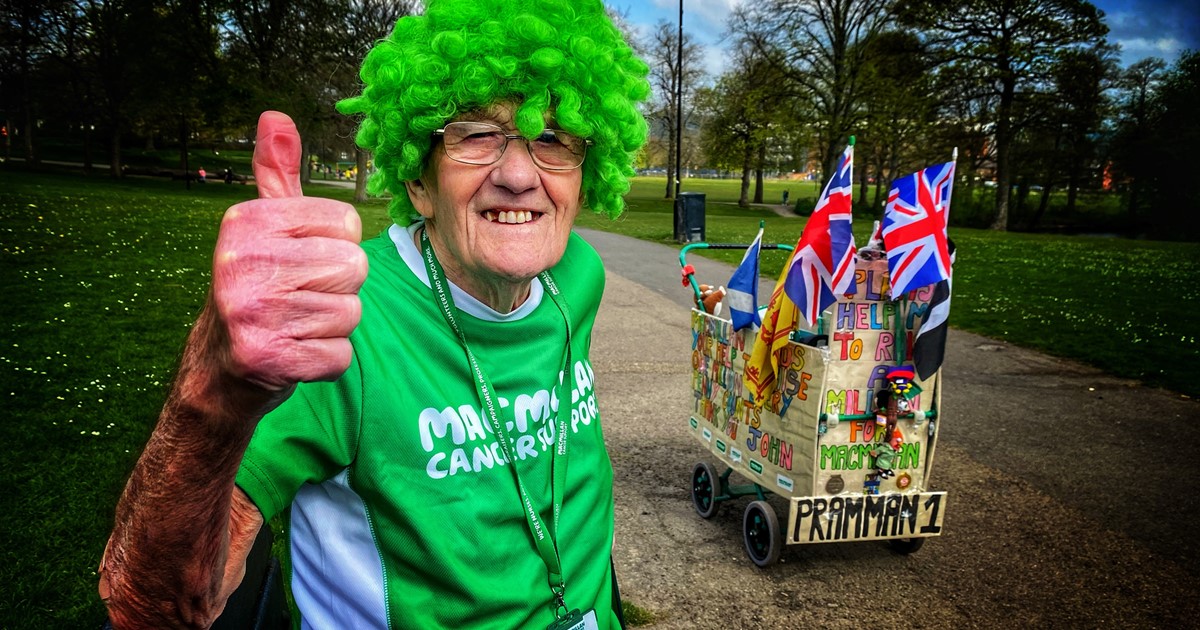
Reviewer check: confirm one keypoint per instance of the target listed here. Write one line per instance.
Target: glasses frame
(509, 137)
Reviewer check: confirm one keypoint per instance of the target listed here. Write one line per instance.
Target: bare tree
(820, 48)
(620, 19)
(665, 74)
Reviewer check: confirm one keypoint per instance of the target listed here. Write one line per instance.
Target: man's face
(498, 224)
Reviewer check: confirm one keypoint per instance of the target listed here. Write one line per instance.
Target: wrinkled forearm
(168, 559)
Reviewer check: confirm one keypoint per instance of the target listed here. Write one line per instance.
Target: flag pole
(950, 191)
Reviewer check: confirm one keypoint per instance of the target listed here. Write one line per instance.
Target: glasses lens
(473, 143)
(557, 149)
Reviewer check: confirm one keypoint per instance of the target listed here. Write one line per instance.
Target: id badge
(576, 620)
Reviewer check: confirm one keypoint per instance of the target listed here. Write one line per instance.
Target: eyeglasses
(483, 143)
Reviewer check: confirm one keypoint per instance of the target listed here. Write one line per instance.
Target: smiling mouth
(510, 216)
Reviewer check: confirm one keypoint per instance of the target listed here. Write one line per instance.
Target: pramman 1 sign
(865, 517)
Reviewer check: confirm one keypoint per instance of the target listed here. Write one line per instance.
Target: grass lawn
(102, 279)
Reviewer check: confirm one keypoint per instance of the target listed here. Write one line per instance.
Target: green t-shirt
(404, 511)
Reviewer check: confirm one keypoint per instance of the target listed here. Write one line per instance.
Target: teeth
(508, 216)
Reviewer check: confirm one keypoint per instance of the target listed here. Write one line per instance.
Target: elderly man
(430, 423)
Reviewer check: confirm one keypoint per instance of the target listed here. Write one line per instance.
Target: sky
(1143, 28)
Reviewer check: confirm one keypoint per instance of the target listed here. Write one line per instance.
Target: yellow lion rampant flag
(777, 326)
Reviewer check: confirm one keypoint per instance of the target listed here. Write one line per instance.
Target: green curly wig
(563, 56)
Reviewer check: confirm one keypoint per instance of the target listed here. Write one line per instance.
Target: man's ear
(418, 194)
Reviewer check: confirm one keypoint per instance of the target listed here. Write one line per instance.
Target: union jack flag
(822, 266)
(914, 228)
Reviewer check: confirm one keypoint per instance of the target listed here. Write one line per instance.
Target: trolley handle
(689, 271)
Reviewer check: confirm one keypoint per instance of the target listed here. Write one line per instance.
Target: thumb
(277, 157)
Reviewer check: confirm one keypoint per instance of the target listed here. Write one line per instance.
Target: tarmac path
(1069, 491)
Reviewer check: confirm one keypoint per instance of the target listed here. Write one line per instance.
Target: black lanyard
(544, 540)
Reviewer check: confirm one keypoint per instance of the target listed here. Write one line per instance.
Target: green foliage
(1176, 198)
(805, 206)
(1004, 51)
(745, 113)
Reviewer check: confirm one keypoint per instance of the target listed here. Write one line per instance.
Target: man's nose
(516, 170)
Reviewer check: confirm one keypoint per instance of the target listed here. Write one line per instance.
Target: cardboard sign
(791, 445)
(870, 517)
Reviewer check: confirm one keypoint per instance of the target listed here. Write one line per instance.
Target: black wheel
(905, 546)
(704, 490)
(760, 532)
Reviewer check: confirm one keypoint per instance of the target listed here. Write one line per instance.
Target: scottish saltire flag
(929, 348)
(742, 291)
(777, 326)
(822, 265)
(914, 228)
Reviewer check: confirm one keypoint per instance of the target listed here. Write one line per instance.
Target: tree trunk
(87, 148)
(183, 145)
(758, 173)
(305, 163)
(1003, 140)
(878, 187)
(30, 155)
(1043, 203)
(744, 198)
(1132, 202)
(832, 157)
(114, 163)
(670, 193)
(1022, 195)
(183, 154)
(360, 180)
(863, 187)
(1073, 186)
(892, 167)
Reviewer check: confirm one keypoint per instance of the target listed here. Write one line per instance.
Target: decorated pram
(847, 436)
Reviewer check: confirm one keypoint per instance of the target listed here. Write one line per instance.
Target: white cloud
(714, 61)
(705, 22)
(706, 16)
(1159, 29)
(1160, 47)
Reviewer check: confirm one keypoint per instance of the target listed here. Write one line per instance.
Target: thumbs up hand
(286, 272)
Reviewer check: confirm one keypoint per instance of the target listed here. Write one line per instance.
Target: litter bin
(689, 217)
